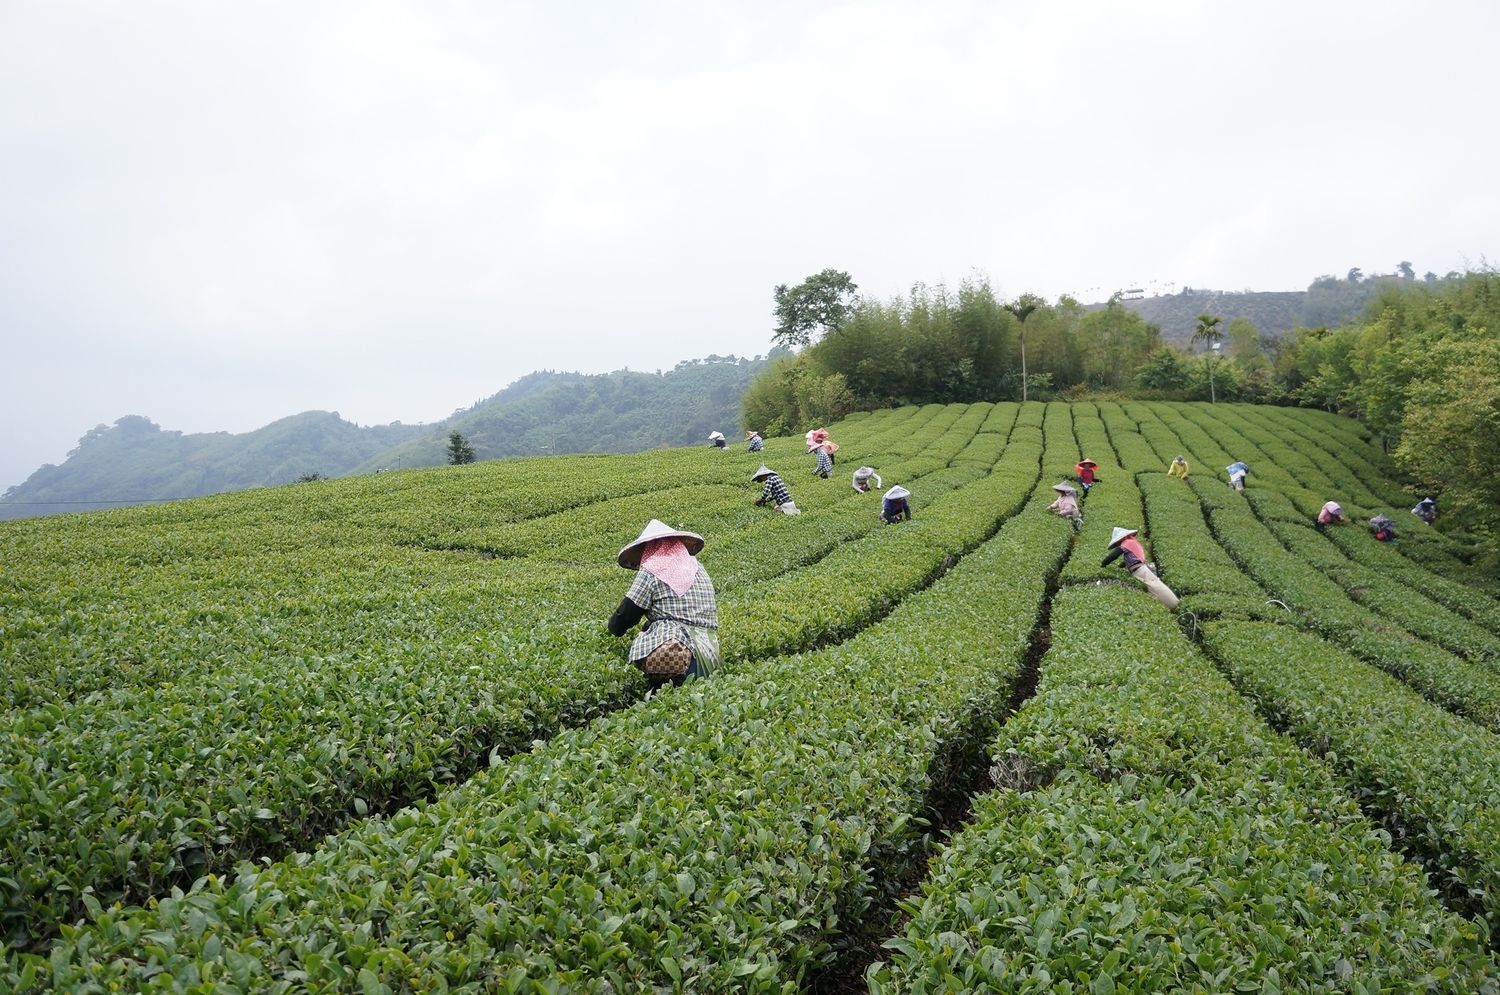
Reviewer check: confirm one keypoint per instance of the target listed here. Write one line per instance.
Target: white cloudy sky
(217, 214)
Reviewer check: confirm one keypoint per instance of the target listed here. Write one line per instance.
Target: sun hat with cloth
(1119, 535)
(716, 435)
(1065, 488)
(762, 473)
(896, 493)
(630, 556)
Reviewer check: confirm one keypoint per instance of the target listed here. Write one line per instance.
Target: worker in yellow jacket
(1178, 468)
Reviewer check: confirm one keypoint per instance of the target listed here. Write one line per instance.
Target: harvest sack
(1159, 591)
(670, 659)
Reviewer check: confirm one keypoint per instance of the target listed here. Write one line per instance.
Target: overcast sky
(219, 214)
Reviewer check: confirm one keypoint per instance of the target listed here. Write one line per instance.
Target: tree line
(1420, 367)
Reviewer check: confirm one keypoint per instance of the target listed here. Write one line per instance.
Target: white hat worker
(1117, 535)
(630, 556)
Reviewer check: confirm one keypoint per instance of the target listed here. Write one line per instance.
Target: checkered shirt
(691, 618)
(825, 462)
(775, 491)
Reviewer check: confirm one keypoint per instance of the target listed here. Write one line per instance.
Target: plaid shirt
(775, 491)
(691, 618)
(756, 444)
(825, 462)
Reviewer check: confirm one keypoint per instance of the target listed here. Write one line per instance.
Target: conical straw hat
(1118, 534)
(630, 556)
(762, 473)
(1065, 488)
(897, 492)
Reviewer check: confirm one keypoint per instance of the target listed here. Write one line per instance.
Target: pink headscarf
(669, 561)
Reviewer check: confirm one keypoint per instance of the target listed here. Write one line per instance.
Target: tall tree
(459, 450)
(1450, 430)
(1163, 371)
(1022, 307)
(1209, 334)
(818, 304)
(1405, 269)
(1244, 342)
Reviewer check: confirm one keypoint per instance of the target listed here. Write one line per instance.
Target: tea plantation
(369, 735)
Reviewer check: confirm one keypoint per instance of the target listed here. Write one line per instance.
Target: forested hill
(1328, 302)
(620, 412)
(1272, 313)
(136, 460)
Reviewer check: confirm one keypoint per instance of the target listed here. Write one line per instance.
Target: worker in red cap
(1086, 476)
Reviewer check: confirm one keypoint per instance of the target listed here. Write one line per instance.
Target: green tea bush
(1150, 833)
(721, 837)
(1433, 775)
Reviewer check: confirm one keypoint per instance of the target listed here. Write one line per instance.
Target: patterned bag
(667, 660)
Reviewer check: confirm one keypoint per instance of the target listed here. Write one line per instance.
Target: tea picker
(1330, 514)
(775, 492)
(1066, 505)
(1237, 472)
(675, 595)
(824, 467)
(1086, 475)
(896, 507)
(1122, 542)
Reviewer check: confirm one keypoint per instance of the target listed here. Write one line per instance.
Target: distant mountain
(1328, 303)
(136, 460)
(620, 412)
(1271, 312)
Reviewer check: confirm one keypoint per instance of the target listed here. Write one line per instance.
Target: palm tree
(1208, 333)
(1022, 307)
